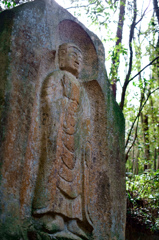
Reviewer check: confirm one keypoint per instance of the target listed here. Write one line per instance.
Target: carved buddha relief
(60, 201)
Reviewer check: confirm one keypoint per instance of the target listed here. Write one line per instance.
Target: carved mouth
(77, 63)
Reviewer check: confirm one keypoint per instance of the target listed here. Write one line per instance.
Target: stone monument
(61, 132)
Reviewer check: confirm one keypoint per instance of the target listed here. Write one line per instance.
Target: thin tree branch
(126, 83)
(147, 40)
(137, 117)
(82, 5)
(131, 57)
(133, 140)
(132, 126)
(143, 68)
(143, 14)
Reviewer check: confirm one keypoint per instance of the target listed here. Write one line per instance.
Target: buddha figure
(61, 193)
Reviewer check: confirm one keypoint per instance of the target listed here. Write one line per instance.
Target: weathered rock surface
(61, 131)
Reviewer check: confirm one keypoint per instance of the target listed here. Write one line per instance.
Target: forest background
(129, 30)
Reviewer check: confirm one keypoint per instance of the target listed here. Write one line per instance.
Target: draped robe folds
(63, 178)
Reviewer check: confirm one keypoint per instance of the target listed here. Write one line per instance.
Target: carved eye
(73, 55)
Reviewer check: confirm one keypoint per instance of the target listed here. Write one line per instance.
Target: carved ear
(62, 62)
(61, 58)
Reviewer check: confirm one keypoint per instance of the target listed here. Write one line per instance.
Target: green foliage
(114, 54)
(144, 185)
(143, 198)
(9, 3)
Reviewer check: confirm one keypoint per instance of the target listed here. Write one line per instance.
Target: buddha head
(70, 58)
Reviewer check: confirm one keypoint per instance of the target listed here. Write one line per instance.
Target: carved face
(70, 59)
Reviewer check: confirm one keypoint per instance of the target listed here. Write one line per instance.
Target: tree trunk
(154, 162)
(157, 167)
(145, 127)
(135, 166)
(119, 35)
(156, 9)
(132, 28)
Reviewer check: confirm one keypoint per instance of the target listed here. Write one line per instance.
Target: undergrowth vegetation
(143, 198)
